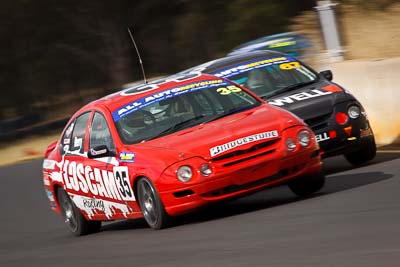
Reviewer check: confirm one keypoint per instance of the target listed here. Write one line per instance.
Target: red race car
(160, 150)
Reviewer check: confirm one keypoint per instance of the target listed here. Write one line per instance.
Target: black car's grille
(319, 122)
(239, 156)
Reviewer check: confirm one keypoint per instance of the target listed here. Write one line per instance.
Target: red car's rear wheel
(73, 218)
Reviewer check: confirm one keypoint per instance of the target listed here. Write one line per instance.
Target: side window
(77, 144)
(100, 133)
(74, 136)
(66, 139)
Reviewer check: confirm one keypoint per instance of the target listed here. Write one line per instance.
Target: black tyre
(307, 185)
(73, 218)
(361, 156)
(151, 205)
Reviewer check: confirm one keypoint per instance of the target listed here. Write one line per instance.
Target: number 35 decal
(123, 184)
(229, 89)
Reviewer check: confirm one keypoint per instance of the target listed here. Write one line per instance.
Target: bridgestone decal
(242, 141)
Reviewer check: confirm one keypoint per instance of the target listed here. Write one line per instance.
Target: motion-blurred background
(58, 55)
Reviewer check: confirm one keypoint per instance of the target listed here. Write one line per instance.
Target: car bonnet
(235, 132)
(310, 101)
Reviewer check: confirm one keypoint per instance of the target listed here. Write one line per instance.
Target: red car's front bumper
(262, 174)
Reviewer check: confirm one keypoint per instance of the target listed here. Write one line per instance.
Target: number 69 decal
(289, 66)
(229, 89)
(123, 184)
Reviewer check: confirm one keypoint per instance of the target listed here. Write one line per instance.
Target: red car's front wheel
(307, 185)
(151, 205)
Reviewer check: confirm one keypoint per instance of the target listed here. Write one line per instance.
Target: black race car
(338, 119)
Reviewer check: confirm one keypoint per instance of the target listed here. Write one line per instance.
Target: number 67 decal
(121, 175)
(290, 65)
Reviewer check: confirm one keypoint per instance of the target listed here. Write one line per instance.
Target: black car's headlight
(354, 111)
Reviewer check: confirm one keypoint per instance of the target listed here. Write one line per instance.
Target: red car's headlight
(290, 144)
(184, 173)
(304, 138)
(205, 169)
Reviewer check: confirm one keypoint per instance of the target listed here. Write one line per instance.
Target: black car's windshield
(175, 109)
(269, 77)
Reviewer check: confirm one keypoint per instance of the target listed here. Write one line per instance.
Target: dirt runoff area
(25, 149)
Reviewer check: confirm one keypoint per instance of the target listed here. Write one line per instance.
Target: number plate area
(254, 173)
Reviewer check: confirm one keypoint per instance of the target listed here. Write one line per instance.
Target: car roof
(274, 37)
(126, 96)
(227, 61)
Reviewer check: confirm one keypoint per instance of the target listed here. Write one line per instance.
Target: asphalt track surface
(353, 221)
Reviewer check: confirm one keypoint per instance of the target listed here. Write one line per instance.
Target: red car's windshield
(179, 108)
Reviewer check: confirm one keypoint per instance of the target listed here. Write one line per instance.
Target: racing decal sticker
(49, 164)
(244, 67)
(93, 203)
(228, 90)
(94, 206)
(95, 152)
(78, 142)
(155, 84)
(69, 130)
(242, 141)
(126, 156)
(332, 88)
(124, 186)
(82, 179)
(148, 100)
(289, 66)
(281, 44)
(298, 97)
(109, 160)
(325, 136)
(322, 137)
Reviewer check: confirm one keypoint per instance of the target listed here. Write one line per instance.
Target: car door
(113, 186)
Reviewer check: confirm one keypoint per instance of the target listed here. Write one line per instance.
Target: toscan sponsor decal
(79, 179)
(242, 141)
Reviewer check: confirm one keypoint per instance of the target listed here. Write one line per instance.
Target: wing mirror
(327, 74)
(100, 152)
